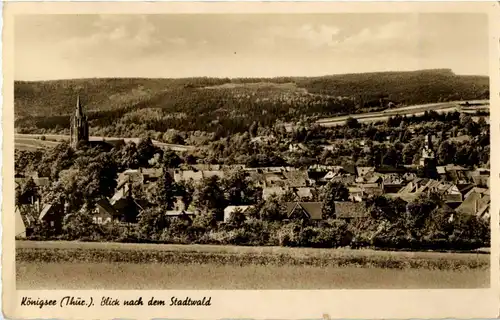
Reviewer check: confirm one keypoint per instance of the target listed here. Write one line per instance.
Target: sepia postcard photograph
(194, 152)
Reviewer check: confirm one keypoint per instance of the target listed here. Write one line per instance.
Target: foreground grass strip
(344, 259)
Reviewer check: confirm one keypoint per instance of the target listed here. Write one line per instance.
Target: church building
(428, 160)
(79, 130)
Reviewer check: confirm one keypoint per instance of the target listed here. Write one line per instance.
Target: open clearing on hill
(408, 111)
(287, 87)
(34, 141)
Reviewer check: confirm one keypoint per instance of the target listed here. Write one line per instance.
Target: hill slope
(228, 105)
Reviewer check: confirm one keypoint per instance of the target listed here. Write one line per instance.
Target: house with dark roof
(52, 215)
(105, 212)
(304, 210)
(481, 180)
(126, 207)
(477, 204)
(25, 217)
(448, 191)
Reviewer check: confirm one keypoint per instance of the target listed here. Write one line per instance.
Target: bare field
(410, 110)
(34, 141)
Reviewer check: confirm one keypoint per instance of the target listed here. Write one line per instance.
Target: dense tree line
(142, 107)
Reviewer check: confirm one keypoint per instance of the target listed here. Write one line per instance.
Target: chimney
(475, 206)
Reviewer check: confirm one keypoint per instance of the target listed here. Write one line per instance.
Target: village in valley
(410, 187)
(264, 151)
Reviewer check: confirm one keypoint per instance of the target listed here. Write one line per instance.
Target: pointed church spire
(79, 111)
(79, 125)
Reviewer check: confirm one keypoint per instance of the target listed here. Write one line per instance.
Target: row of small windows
(98, 220)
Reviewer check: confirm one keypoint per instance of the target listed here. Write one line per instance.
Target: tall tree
(335, 191)
(145, 151)
(96, 178)
(166, 191)
(209, 196)
(170, 159)
(446, 152)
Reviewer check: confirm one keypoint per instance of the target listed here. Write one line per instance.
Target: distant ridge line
(437, 70)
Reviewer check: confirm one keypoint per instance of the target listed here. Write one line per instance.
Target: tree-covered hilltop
(118, 107)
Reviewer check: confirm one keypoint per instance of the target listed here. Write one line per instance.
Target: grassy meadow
(72, 265)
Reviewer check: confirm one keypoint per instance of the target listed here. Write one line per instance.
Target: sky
(246, 45)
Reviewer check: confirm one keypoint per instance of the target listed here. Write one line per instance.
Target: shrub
(79, 226)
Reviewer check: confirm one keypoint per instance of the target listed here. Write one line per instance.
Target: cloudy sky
(82, 46)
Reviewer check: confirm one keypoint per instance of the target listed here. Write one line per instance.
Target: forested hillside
(121, 107)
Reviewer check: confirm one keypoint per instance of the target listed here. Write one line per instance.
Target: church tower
(428, 159)
(79, 129)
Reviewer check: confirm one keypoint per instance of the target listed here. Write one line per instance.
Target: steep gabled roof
(106, 206)
(483, 211)
(313, 210)
(481, 180)
(411, 187)
(46, 209)
(27, 212)
(476, 190)
(472, 204)
(120, 194)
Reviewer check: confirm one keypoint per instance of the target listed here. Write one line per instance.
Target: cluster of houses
(463, 190)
